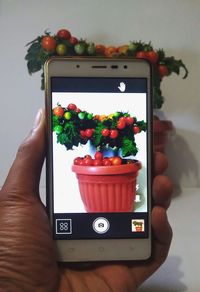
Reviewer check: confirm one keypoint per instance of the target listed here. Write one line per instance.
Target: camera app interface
(99, 145)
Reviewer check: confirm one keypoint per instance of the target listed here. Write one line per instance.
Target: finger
(160, 163)
(162, 233)
(25, 172)
(161, 227)
(162, 191)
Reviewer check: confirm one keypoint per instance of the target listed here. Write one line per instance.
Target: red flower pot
(138, 228)
(161, 130)
(107, 188)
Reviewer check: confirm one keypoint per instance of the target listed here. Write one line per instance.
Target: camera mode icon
(101, 225)
(63, 226)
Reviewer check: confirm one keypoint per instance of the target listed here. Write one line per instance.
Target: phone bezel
(85, 250)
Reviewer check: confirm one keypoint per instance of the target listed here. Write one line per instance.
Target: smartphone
(99, 161)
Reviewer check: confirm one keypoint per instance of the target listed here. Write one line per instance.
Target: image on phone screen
(99, 157)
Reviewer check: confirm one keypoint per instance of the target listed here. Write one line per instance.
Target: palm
(27, 252)
(111, 277)
(31, 242)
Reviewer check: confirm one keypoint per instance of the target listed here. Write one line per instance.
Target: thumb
(24, 175)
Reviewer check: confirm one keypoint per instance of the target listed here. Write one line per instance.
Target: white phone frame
(87, 250)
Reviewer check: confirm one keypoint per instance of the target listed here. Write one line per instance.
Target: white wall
(173, 25)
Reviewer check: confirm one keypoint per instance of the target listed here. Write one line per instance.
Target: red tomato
(136, 129)
(107, 162)
(97, 162)
(73, 41)
(105, 132)
(121, 125)
(163, 70)
(129, 120)
(111, 158)
(81, 162)
(88, 133)
(58, 111)
(82, 133)
(87, 156)
(114, 134)
(98, 155)
(100, 49)
(122, 119)
(72, 106)
(87, 161)
(152, 56)
(78, 161)
(141, 54)
(48, 43)
(116, 160)
(77, 110)
(64, 34)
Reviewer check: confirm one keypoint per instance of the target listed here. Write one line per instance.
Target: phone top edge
(92, 59)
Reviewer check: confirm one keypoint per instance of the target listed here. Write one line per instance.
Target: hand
(27, 252)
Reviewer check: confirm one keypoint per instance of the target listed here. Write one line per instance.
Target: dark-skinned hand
(27, 251)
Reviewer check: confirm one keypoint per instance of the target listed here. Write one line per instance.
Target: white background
(65, 181)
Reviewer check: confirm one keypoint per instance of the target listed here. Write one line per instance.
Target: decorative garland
(64, 44)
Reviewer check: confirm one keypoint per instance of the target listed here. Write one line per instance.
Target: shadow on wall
(182, 162)
(167, 278)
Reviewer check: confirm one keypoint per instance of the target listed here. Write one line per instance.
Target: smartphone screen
(100, 155)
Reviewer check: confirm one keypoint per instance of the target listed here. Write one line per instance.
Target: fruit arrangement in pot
(107, 182)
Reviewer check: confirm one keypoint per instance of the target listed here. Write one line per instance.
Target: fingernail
(37, 119)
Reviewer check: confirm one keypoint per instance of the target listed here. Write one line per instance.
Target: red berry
(105, 132)
(136, 129)
(163, 70)
(116, 160)
(88, 161)
(141, 54)
(78, 161)
(48, 43)
(97, 162)
(121, 125)
(72, 106)
(114, 134)
(87, 156)
(77, 110)
(64, 34)
(82, 133)
(98, 155)
(122, 119)
(73, 41)
(58, 111)
(107, 162)
(89, 133)
(129, 120)
(152, 56)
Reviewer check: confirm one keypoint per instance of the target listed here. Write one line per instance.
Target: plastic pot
(108, 188)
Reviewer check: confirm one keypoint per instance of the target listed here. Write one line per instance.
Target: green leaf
(161, 55)
(158, 99)
(142, 125)
(128, 147)
(97, 137)
(34, 66)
